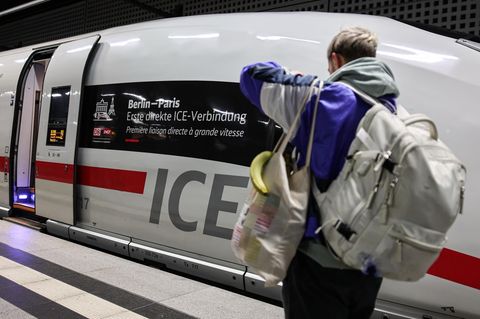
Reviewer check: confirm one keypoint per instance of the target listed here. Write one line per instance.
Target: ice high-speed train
(137, 139)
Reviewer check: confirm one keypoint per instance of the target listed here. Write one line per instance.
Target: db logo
(107, 131)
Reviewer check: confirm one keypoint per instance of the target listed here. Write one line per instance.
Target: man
(317, 284)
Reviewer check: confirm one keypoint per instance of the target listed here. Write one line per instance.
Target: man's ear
(338, 60)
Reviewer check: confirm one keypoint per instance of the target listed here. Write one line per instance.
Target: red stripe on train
(108, 178)
(457, 267)
(57, 172)
(117, 179)
(4, 164)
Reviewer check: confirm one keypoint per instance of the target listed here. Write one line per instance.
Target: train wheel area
(43, 276)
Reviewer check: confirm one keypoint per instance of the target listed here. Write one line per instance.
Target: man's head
(350, 44)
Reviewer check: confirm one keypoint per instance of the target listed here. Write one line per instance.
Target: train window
(200, 119)
(57, 117)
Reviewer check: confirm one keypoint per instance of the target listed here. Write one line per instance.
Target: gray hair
(353, 43)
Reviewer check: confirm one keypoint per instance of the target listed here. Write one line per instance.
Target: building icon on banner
(103, 111)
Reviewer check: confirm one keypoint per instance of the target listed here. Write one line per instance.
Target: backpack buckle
(384, 156)
(344, 230)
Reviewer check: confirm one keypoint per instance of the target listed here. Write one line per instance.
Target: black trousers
(312, 291)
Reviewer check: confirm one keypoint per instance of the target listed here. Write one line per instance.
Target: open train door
(58, 130)
(10, 71)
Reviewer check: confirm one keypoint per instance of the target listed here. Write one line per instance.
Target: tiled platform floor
(42, 276)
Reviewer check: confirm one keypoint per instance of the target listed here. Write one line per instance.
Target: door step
(26, 222)
(24, 207)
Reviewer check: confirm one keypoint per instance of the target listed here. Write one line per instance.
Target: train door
(58, 130)
(25, 127)
(11, 66)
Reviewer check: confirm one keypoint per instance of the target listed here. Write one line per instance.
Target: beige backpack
(401, 188)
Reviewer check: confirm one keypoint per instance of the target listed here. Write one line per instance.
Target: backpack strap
(367, 98)
(366, 139)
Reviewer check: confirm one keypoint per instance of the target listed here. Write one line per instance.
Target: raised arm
(274, 90)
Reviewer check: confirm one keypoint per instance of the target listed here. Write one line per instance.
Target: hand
(293, 72)
(296, 72)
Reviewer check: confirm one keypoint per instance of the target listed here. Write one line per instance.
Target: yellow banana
(256, 170)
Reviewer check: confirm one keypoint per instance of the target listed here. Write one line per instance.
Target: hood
(369, 75)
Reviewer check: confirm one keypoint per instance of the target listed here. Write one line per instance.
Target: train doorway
(26, 123)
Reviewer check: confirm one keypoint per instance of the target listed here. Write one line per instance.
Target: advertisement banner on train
(208, 120)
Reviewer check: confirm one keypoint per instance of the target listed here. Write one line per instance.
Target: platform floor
(42, 276)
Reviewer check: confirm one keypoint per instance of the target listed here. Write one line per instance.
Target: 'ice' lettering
(215, 203)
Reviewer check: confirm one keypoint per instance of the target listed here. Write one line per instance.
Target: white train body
(143, 139)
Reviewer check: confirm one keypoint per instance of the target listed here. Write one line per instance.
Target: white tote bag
(270, 226)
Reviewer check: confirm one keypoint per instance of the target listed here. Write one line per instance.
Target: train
(137, 139)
